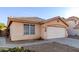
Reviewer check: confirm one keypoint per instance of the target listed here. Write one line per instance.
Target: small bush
(40, 39)
(16, 49)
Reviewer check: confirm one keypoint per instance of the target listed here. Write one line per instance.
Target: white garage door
(55, 32)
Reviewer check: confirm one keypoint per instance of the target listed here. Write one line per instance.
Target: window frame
(31, 29)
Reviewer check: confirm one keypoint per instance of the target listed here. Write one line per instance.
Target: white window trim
(30, 29)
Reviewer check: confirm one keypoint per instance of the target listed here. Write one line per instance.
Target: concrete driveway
(66, 41)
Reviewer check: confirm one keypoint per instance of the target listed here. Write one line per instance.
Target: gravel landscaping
(52, 47)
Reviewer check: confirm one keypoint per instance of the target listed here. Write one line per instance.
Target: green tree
(2, 26)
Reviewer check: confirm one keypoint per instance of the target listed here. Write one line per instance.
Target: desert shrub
(16, 49)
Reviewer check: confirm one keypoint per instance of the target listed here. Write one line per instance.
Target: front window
(29, 29)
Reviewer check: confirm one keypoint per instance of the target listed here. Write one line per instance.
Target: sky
(42, 12)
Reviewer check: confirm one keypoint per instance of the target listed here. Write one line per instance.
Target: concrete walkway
(66, 41)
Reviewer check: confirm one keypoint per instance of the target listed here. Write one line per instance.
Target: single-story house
(27, 28)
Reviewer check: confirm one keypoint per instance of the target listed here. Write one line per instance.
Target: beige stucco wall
(17, 32)
(51, 23)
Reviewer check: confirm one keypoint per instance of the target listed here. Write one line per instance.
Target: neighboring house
(77, 29)
(27, 28)
(73, 22)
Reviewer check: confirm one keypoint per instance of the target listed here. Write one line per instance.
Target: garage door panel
(55, 32)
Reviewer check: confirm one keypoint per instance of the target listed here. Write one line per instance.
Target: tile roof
(58, 18)
(25, 19)
(72, 18)
(34, 19)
